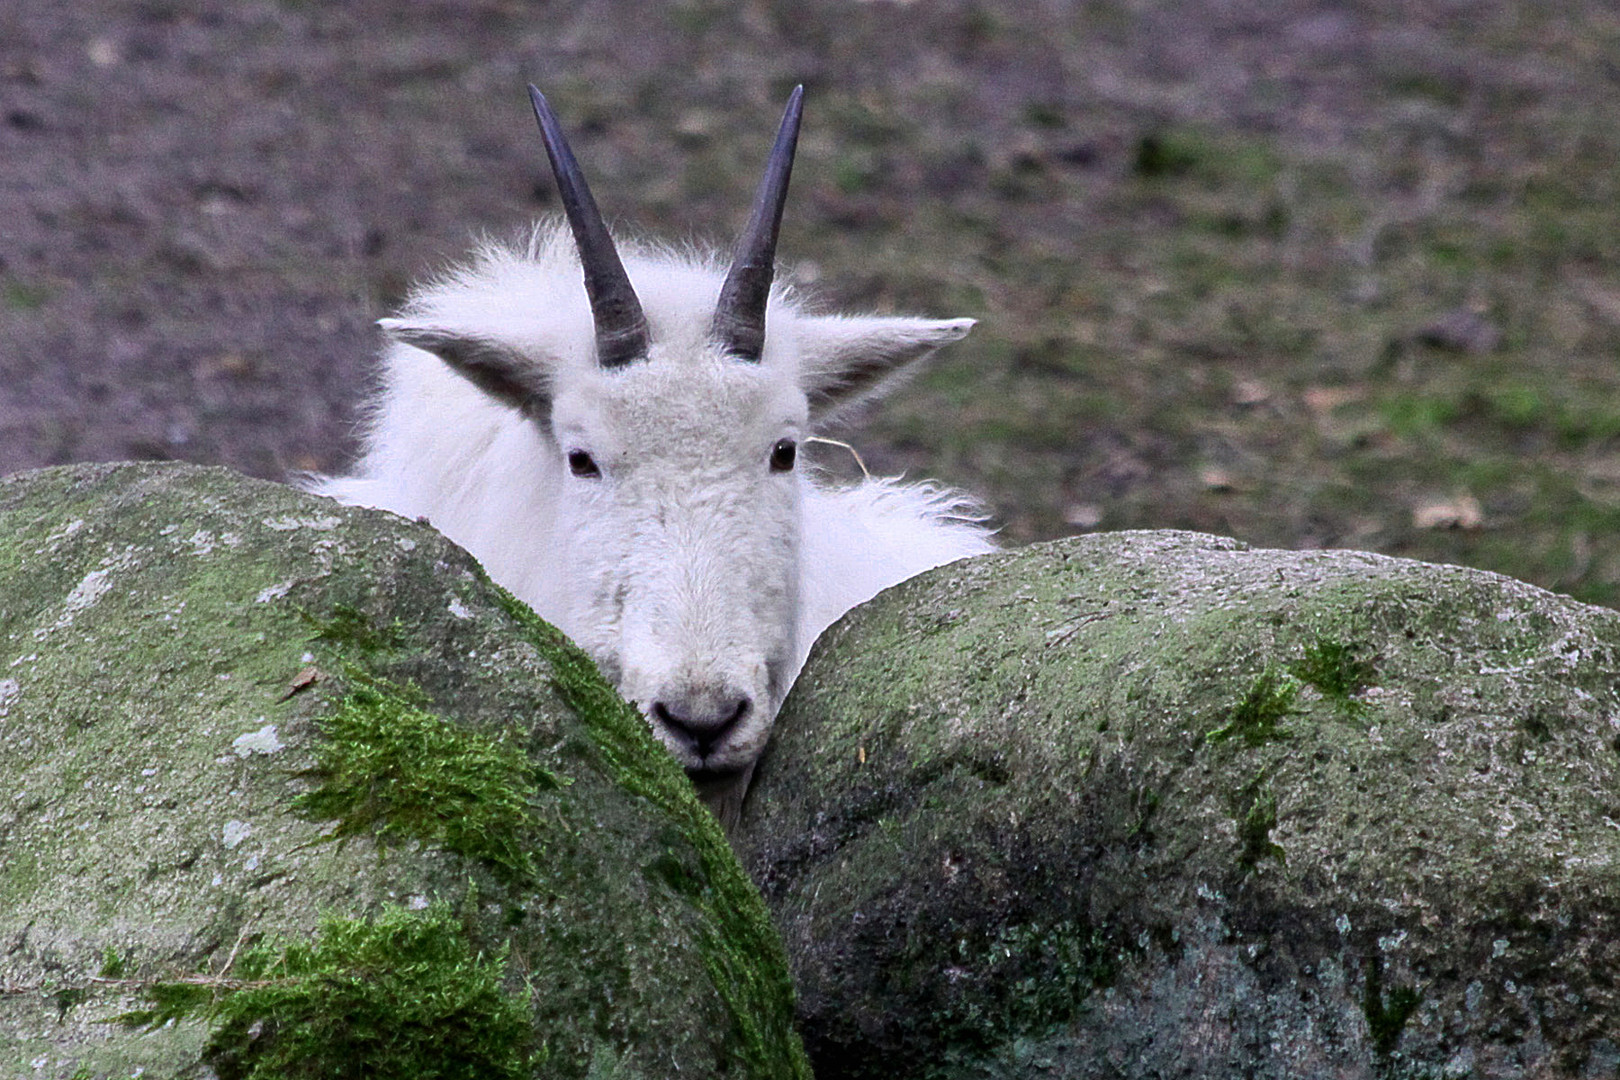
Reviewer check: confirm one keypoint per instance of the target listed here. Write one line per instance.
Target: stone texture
(1158, 805)
(160, 628)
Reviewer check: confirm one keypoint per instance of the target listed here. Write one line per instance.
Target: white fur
(693, 573)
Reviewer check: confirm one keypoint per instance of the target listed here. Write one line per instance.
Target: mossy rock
(293, 790)
(1158, 805)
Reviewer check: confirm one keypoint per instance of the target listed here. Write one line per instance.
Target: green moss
(1257, 719)
(1386, 1014)
(1008, 984)
(1334, 668)
(171, 1001)
(401, 996)
(1257, 816)
(67, 999)
(112, 964)
(744, 957)
(1016, 985)
(348, 627)
(389, 769)
(20, 876)
(1147, 804)
(893, 675)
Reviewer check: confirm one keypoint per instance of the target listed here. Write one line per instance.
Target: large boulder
(290, 789)
(1158, 805)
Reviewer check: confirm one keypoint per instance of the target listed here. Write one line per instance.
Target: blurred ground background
(1307, 273)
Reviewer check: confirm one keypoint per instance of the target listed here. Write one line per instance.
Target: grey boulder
(1158, 805)
(290, 789)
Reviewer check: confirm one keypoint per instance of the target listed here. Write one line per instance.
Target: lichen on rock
(1156, 804)
(254, 739)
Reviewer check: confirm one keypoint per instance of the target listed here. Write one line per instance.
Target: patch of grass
(399, 995)
(1164, 154)
(23, 295)
(1258, 718)
(1442, 89)
(1417, 415)
(1516, 405)
(1214, 159)
(1226, 256)
(856, 172)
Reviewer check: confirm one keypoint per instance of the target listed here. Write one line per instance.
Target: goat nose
(704, 724)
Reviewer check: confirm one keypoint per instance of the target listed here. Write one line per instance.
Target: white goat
(622, 458)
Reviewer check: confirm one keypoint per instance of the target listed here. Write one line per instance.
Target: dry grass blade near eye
(854, 453)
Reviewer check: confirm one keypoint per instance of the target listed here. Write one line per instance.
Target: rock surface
(1158, 805)
(287, 779)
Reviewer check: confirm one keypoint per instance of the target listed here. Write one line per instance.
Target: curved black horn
(621, 327)
(739, 316)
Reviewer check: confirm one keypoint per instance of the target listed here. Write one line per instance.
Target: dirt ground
(1308, 273)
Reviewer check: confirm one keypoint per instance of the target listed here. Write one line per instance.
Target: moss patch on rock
(211, 680)
(398, 995)
(1258, 718)
(1396, 856)
(1335, 668)
(388, 769)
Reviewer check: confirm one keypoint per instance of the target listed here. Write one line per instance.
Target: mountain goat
(623, 457)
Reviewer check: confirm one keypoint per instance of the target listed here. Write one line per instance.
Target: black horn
(621, 327)
(739, 316)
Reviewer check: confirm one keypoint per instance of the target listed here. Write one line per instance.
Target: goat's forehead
(681, 393)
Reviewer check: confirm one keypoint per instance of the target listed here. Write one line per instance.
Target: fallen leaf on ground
(1459, 513)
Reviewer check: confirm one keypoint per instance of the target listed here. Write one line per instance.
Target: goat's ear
(495, 367)
(844, 361)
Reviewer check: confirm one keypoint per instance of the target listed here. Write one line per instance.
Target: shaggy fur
(695, 573)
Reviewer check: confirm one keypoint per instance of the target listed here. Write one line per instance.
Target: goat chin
(724, 795)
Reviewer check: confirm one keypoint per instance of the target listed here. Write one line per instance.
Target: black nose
(703, 722)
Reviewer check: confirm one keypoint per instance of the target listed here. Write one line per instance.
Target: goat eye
(581, 464)
(783, 455)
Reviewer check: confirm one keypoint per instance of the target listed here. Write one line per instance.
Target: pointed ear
(844, 361)
(495, 367)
